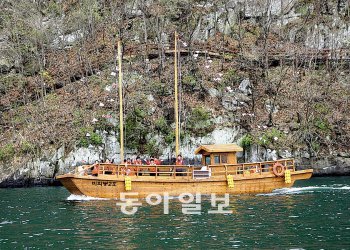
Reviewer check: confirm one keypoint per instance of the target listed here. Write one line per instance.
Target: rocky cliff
(271, 75)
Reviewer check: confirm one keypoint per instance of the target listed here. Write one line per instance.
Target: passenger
(157, 161)
(108, 169)
(138, 162)
(179, 160)
(127, 170)
(95, 168)
(131, 169)
(152, 169)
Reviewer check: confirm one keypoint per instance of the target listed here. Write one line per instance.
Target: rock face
(233, 100)
(42, 171)
(333, 165)
(245, 87)
(315, 36)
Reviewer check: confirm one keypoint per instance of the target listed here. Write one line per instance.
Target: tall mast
(120, 80)
(176, 108)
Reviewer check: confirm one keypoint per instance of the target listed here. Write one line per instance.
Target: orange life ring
(278, 169)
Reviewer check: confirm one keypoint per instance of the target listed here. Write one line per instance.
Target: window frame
(224, 156)
(215, 157)
(206, 157)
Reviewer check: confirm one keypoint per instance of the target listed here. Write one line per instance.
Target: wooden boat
(219, 173)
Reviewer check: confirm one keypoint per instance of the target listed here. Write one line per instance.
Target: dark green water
(315, 214)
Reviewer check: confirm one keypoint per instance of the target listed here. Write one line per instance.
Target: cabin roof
(218, 148)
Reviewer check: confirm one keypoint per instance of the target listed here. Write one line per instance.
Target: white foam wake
(300, 190)
(6, 222)
(75, 197)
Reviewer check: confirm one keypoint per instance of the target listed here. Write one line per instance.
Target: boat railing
(82, 170)
(134, 170)
(183, 171)
(157, 170)
(257, 167)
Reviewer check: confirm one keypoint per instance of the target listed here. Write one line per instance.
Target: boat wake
(75, 197)
(303, 190)
(6, 222)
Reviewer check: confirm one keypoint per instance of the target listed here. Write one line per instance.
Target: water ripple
(303, 217)
(301, 190)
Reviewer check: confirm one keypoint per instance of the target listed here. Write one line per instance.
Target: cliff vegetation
(277, 70)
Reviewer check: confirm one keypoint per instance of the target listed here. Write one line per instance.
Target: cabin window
(216, 159)
(207, 160)
(224, 158)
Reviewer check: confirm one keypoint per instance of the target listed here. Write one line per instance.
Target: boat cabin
(218, 154)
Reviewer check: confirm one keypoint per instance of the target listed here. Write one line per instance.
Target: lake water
(315, 214)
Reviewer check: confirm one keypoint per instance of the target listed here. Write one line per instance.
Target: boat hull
(111, 186)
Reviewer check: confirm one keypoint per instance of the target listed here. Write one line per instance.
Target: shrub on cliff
(7, 152)
(88, 136)
(27, 147)
(199, 122)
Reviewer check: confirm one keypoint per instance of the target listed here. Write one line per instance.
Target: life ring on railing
(278, 169)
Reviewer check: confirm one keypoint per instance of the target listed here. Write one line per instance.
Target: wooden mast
(120, 80)
(176, 107)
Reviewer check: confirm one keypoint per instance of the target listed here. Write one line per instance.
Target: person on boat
(127, 169)
(157, 161)
(130, 169)
(152, 169)
(179, 160)
(108, 169)
(138, 162)
(96, 168)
